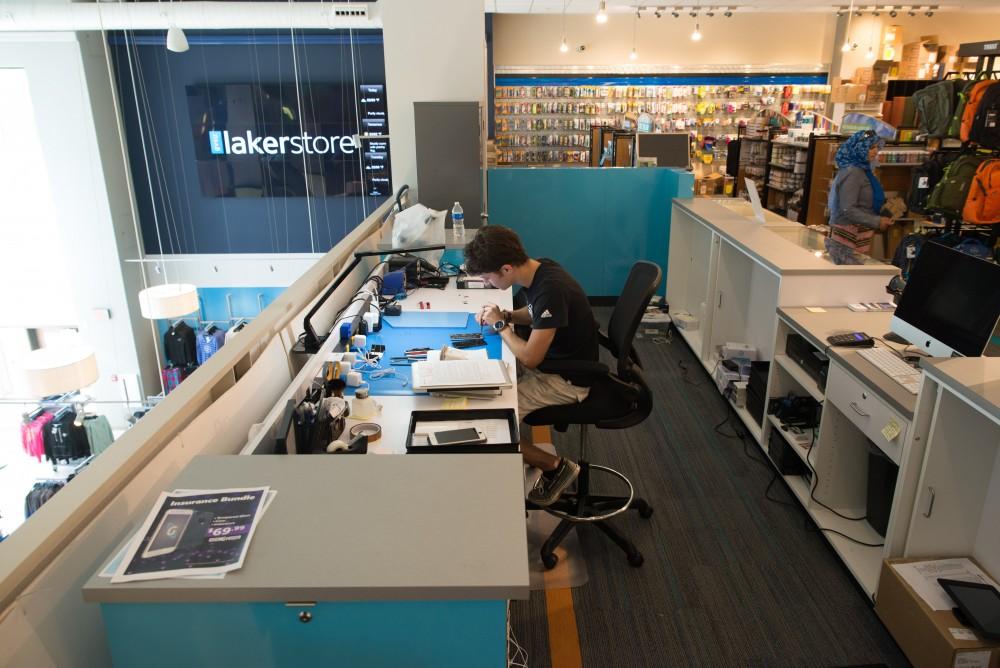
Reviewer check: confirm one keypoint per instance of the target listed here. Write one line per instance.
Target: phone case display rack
(551, 123)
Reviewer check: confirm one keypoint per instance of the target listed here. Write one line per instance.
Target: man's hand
(489, 314)
(884, 223)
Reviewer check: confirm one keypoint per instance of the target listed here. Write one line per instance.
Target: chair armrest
(581, 367)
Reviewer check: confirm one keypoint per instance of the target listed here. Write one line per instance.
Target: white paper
(460, 373)
(923, 576)
(978, 659)
(497, 431)
(962, 633)
(178, 560)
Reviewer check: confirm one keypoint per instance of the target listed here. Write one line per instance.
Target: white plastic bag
(419, 226)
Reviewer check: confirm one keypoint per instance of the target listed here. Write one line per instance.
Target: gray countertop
(412, 527)
(767, 242)
(841, 320)
(977, 379)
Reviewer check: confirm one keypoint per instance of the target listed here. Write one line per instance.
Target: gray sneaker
(551, 485)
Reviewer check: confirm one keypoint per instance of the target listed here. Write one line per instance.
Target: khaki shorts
(537, 390)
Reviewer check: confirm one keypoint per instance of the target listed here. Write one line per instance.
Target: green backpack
(935, 107)
(949, 195)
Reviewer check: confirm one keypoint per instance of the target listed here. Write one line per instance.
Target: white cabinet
(957, 507)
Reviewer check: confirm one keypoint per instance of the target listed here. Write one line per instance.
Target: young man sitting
(562, 327)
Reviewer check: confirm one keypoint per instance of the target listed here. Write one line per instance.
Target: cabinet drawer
(866, 410)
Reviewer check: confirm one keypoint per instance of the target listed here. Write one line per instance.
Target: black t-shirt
(556, 301)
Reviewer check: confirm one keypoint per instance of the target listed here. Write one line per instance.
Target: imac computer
(951, 303)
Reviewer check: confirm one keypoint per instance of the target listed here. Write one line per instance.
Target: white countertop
(764, 242)
(977, 379)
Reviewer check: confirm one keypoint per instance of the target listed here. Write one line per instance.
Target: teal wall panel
(595, 222)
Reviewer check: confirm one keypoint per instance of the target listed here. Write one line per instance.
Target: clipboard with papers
(480, 376)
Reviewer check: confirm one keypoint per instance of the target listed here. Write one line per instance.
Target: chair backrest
(640, 285)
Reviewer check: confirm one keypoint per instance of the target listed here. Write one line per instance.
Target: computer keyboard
(893, 366)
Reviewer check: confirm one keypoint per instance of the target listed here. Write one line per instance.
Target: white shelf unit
(956, 511)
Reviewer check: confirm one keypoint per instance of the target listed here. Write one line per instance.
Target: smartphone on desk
(464, 436)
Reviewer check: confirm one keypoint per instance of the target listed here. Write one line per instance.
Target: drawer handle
(858, 410)
(305, 616)
(930, 506)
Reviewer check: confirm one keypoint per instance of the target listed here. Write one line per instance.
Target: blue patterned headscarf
(854, 153)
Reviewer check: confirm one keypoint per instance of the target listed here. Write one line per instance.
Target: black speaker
(882, 474)
(788, 462)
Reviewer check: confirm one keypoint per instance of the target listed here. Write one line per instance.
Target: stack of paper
(473, 375)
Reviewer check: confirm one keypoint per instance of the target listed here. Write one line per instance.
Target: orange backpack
(982, 205)
(972, 105)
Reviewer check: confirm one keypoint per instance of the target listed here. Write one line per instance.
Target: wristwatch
(499, 326)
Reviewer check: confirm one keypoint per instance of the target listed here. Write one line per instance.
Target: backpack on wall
(982, 205)
(935, 107)
(985, 129)
(926, 176)
(949, 195)
(972, 106)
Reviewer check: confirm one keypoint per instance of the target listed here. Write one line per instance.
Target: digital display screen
(279, 140)
(171, 530)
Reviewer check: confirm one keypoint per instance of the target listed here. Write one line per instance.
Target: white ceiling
(628, 6)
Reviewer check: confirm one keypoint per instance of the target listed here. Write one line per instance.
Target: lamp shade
(58, 370)
(170, 300)
(176, 40)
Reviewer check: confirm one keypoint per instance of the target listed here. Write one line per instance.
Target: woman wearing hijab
(856, 196)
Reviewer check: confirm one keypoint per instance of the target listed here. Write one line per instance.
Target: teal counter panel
(595, 222)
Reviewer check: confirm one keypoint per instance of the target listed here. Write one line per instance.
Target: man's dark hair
(493, 247)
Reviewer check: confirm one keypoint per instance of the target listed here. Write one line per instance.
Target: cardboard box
(925, 635)
(848, 92)
(916, 60)
(878, 73)
(877, 93)
(709, 186)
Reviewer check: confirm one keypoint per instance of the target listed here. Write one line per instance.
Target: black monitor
(951, 303)
(284, 432)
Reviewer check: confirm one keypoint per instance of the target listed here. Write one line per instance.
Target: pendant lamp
(59, 369)
(170, 300)
(176, 40)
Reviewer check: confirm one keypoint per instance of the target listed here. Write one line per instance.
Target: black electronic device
(468, 343)
(757, 389)
(781, 453)
(882, 473)
(979, 603)
(851, 340)
(803, 412)
(951, 302)
(809, 359)
(393, 309)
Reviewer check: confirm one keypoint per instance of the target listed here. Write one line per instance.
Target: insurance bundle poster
(194, 533)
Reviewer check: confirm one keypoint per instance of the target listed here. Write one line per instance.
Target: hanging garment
(99, 433)
(39, 494)
(33, 436)
(173, 375)
(64, 441)
(208, 343)
(179, 345)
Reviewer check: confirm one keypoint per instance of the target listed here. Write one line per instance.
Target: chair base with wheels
(617, 400)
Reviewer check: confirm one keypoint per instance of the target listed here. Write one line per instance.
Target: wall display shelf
(707, 105)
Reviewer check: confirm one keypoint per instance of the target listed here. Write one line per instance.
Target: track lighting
(728, 14)
(657, 13)
(840, 12)
(693, 15)
(911, 12)
(676, 13)
(893, 13)
(696, 35)
(602, 13)
(711, 12)
(176, 40)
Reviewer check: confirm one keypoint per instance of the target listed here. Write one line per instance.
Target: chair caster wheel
(550, 560)
(635, 560)
(646, 511)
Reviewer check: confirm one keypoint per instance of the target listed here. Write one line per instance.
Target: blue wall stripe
(661, 80)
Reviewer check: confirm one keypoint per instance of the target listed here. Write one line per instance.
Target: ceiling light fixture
(696, 35)
(634, 54)
(176, 40)
(728, 13)
(602, 13)
(564, 47)
(847, 34)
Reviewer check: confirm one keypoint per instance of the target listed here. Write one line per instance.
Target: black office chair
(618, 399)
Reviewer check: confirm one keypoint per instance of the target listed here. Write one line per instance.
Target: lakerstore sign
(220, 142)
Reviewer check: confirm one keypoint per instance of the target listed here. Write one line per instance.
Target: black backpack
(985, 129)
(926, 176)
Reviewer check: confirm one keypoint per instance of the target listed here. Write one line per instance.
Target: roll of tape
(353, 378)
(369, 429)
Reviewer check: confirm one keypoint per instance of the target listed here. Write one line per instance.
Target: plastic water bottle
(458, 220)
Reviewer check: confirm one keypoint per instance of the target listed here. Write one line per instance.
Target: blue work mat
(397, 340)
